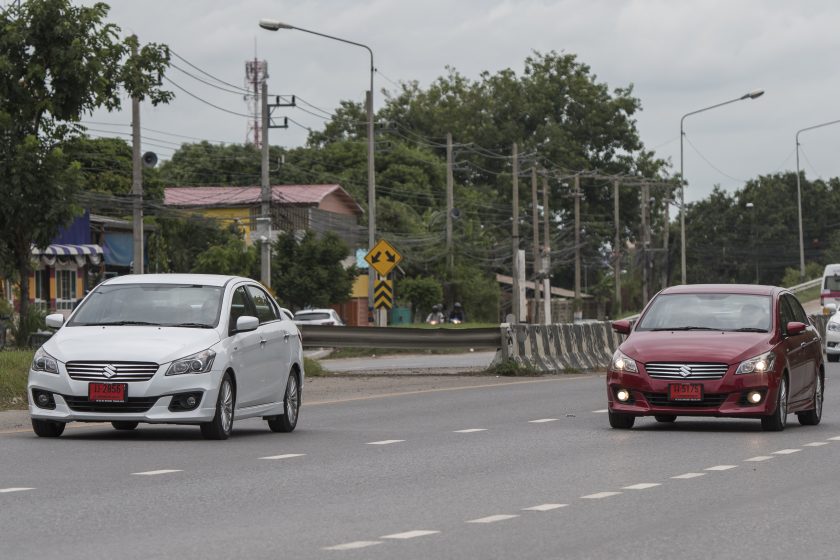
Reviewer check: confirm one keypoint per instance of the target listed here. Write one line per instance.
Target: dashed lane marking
(542, 420)
(471, 430)
(816, 444)
(720, 468)
(786, 451)
(353, 545)
(153, 473)
(759, 458)
(642, 486)
(602, 411)
(600, 495)
(493, 518)
(688, 475)
(545, 507)
(835, 438)
(286, 456)
(9, 490)
(410, 534)
(386, 442)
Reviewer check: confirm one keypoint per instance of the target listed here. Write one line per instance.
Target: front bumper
(148, 400)
(832, 342)
(725, 397)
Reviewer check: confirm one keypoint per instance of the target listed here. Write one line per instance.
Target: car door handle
(286, 337)
(262, 342)
(804, 344)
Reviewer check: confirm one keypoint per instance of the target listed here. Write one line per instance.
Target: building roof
(529, 285)
(299, 195)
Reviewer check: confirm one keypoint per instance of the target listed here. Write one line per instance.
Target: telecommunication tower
(256, 73)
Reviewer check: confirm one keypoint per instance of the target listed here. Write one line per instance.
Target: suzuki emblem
(685, 371)
(109, 371)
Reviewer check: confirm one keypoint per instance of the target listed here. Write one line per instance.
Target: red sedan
(718, 350)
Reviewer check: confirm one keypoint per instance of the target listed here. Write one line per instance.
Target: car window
(798, 311)
(240, 305)
(265, 309)
(727, 312)
(785, 312)
(312, 316)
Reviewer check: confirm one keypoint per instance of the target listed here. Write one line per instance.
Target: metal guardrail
(317, 336)
(805, 285)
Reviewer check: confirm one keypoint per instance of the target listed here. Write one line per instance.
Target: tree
(57, 63)
(233, 258)
(421, 293)
(309, 272)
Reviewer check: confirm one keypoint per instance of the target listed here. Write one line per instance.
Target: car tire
(666, 418)
(833, 357)
(621, 421)
(776, 421)
(813, 417)
(222, 423)
(291, 407)
(124, 425)
(47, 428)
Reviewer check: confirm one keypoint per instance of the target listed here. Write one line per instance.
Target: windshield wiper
(750, 329)
(191, 325)
(687, 329)
(123, 323)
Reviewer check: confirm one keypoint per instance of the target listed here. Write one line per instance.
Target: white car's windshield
(723, 312)
(180, 305)
(312, 316)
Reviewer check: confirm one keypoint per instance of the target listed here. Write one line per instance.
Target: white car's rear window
(311, 316)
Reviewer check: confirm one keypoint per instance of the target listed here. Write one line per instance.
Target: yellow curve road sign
(383, 258)
(383, 294)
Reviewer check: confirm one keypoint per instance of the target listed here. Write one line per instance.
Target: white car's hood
(129, 343)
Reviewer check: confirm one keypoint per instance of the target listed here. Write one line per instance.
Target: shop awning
(82, 254)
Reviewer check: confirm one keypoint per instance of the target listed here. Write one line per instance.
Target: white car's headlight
(44, 362)
(833, 326)
(620, 362)
(758, 364)
(197, 363)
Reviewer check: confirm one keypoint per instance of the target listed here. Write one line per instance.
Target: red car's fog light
(754, 397)
(623, 395)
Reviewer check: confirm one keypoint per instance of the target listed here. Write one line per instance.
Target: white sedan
(169, 348)
(832, 338)
(318, 317)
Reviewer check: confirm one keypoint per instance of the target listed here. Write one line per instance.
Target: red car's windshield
(705, 311)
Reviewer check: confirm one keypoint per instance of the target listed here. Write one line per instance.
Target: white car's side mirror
(55, 320)
(247, 323)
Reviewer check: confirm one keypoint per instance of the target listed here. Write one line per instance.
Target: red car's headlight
(622, 363)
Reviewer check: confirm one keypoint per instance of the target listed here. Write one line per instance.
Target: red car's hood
(695, 346)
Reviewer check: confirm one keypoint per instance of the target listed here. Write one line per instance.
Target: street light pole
(799, 198)
(751, 95)
(274, 25)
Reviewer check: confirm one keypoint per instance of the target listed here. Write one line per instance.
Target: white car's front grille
(111, 371)
(669, 370)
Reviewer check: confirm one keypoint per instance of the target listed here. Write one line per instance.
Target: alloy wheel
(227, 406)
(292, 399)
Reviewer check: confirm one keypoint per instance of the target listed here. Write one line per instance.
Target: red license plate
(107, 392)
(685, 392)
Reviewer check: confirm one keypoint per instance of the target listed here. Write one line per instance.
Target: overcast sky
(679, 55)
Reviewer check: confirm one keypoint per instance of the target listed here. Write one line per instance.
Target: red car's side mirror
(795, 327)
(621, 327)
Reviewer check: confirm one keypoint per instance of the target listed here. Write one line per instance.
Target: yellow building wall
(360, 287)
(227, 216)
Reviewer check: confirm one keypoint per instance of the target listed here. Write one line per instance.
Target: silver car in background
(169, 348)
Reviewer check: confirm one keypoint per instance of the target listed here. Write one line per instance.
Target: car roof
(302, 311)
(203, 279)
(752, 289)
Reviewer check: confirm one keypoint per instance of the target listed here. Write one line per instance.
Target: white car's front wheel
(222, 423)
(291, 407)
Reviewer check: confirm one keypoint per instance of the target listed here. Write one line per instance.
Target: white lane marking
(816, 444)
(759, 458)
(8, 490)
(835, 438)
(642, 486)
(600, 495)
(602, 411)
(542, 420)
(471, 430)
(410, 534)
(721, 468)
(545, 507)
(493, 518)
(286, 456)
(153, 473)
(353, 545)
(786, 451)
(386, 442)
(689, 475)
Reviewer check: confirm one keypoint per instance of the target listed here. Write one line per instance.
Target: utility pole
(578, 311)
(536, 250)
(546, 255)
(666, 226)
(515, 285)
(136, 184)
(265, 196)
(617, 250)
(450, 204)
(645, 241)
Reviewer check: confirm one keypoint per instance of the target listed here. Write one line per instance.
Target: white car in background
(832, 338)
(169, 348)
(318, 317)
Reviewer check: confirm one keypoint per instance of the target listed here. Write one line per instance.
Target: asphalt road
(525, 470)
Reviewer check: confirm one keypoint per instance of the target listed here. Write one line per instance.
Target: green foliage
(178, 243)
(313, 368)
(477, 292)
(26, 323)
(792, 278)
(309, 272)
(511, 368)
(421, 293)
(233, 258)
(14, 368)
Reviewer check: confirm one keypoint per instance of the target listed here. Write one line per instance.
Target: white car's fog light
(623, 395)
(191, 401)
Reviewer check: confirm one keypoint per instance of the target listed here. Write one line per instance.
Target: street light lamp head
(750, 205)
(274, 25)
(753, 94)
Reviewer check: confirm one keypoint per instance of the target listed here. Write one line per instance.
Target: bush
(32, 322)
(510, 368)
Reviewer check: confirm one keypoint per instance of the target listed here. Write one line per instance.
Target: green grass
(14, 367)
(313, 368)
(809, 294)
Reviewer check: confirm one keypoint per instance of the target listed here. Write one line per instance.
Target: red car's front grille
(709, 400)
